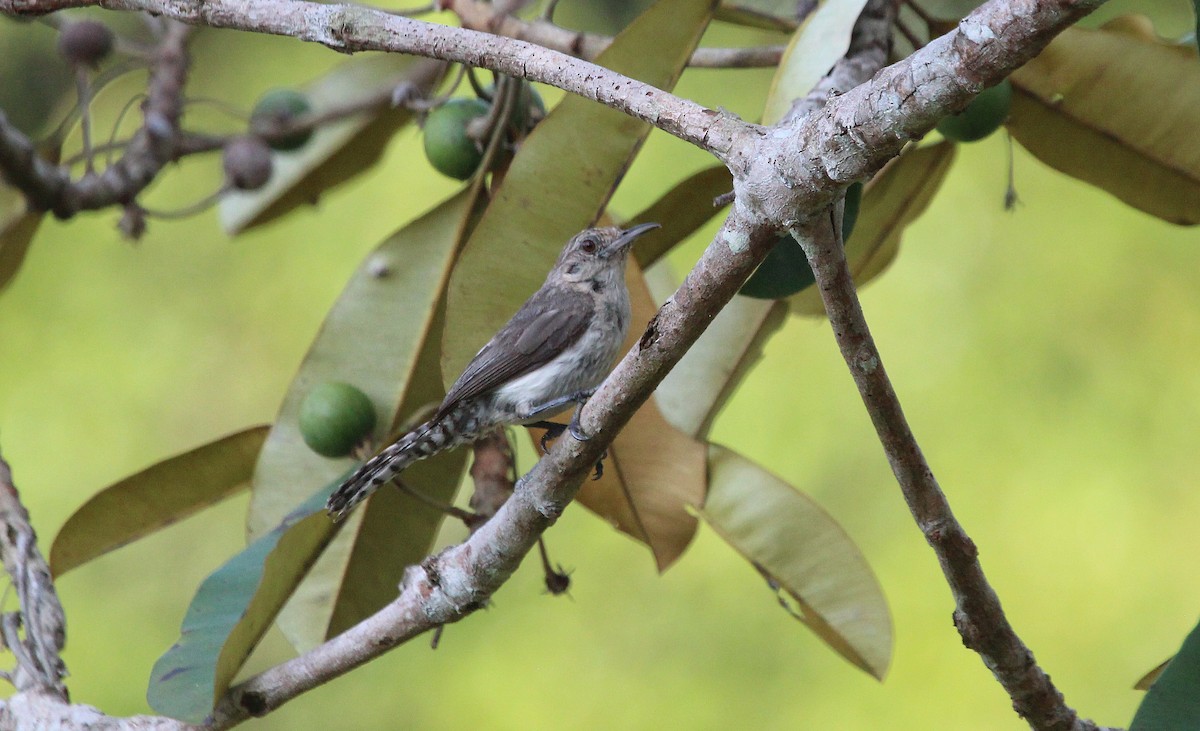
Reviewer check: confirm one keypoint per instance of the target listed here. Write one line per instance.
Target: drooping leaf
(16, 235)
(18, 224)
(699, 385)
(382, 336)
(560, 181)
(777, 15)
(654, 472)
(1065, 111)
(232, 609)
(894, 198)
(820, 42)
(1149, 678)
(682, 210)
(156, 497)
(340, 150)
(1172, 702)
(804, 555)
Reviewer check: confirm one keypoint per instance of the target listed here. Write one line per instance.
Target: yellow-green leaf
(339, 150)
(561, 181)
(894, 198)
(804, 554)
(680, 211)
(1084, 107)
(156, 497)
(820, 42)
(382, 335)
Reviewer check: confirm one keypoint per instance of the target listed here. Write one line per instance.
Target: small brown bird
(555, 351)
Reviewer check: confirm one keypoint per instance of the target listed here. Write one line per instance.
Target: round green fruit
(334, 418)
(983, 115)
(447, 146)
(529, 108)
(275, 110)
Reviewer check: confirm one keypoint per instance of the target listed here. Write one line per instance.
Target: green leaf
(232, 609)
(949, 10)
(893, 199)
(561, 181)
(340, 150)
(156, 497)
(804, 554)
(382, 336)
(682, 210)
(1064, 113)
(820, 42)
(777, 15)
(1172, 702)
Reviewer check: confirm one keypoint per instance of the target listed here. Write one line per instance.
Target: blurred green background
(1046, 358)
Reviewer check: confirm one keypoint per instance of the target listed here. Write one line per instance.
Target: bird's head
(596, 251)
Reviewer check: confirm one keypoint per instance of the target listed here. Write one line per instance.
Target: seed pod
(86, 42)
(247, 162)
(275, 111)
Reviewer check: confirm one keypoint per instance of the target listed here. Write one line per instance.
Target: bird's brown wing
(546, 325)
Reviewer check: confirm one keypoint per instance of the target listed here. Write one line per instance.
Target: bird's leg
(554, 430)
(554, 404)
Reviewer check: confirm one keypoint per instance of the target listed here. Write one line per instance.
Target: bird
(554, 351)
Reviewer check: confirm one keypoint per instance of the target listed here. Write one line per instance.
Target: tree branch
(350, 29)
(39, 667)
(785, 177)
(49, 187)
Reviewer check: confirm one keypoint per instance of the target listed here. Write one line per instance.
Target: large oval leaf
(1172, 702)
(1083, 108)
(338, 150)
(820, 42)
(232, 609)
(382, 336)
(156, 497)
(803, 553)
(894, 198)
(560, 181)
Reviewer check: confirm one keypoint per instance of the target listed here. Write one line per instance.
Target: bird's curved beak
(621, 244)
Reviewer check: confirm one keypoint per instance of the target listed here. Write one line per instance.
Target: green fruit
(529, 108)
(447, 145)
(275, 110)
(983, 115)
(334, 418)
(785, 271)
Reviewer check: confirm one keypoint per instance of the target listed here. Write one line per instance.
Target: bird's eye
(588, 245)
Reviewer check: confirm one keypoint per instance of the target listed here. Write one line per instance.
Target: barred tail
(426, 440)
